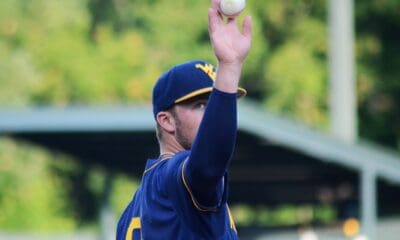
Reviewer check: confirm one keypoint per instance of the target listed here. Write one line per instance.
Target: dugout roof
(276, 160)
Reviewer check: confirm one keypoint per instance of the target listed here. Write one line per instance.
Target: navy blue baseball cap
(183, 82)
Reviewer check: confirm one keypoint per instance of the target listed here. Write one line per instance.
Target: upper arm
(208, 200)
(176, 185)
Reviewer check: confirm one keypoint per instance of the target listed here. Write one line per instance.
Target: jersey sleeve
(204, 171)
(174, 185)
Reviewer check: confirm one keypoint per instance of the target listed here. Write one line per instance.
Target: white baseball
(231, 8)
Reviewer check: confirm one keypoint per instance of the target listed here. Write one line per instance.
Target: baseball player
(183, 193)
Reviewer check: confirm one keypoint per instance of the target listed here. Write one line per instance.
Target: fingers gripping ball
(232, 8)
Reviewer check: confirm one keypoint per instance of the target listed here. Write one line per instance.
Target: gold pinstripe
(191, 195)
(232, 223)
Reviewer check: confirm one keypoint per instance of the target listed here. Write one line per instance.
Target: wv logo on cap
(208, 69)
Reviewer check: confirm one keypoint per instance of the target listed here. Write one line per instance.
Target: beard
(181, 137)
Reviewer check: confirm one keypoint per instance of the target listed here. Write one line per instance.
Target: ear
(166, 121)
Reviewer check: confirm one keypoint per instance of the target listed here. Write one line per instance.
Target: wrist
(231, 66)
(228, 75)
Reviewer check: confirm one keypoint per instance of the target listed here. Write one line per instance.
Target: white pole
(341, 70)
(368, 202)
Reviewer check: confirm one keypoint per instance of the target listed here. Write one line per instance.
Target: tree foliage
(112, 51)
(30, 192)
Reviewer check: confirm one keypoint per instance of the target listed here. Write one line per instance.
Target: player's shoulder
(180, 156)
(172, 165)
(165, 165)
(177, 159)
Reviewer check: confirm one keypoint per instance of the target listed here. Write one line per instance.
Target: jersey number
(134, 225)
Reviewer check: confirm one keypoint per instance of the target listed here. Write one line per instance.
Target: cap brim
(241, 93)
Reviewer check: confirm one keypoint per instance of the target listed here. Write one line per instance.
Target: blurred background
(76, 125)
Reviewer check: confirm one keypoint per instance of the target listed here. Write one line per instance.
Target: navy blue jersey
(185, 196)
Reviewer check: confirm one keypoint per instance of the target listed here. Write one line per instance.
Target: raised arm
(216, 137)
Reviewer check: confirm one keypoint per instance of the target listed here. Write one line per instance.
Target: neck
(170, 146)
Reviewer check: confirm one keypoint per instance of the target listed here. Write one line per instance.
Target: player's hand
(230, 45)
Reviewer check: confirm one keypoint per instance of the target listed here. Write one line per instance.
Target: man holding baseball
(183, 193)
